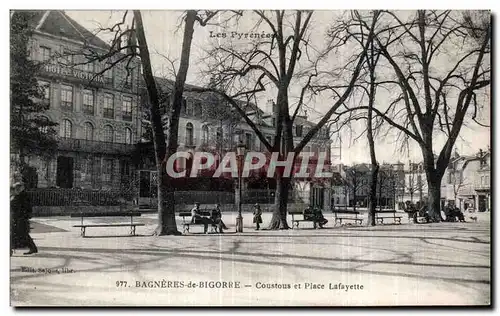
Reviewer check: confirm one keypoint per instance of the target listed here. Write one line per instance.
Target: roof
(168, 84)
(58, 23)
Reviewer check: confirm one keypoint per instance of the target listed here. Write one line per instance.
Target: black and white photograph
(250, 158)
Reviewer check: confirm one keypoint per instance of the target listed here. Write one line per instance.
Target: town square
(337, 158)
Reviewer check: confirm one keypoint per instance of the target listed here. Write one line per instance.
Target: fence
(66, 197)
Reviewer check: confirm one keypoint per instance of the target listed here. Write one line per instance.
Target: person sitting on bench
(449, 212)
(320, 219)
(458, 213)
(216, 218)
(196, 217)
(422, 212)
(308, 214)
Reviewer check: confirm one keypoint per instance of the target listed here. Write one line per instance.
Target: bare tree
(276, 63)
(136, 46)
(440, 62)
(354, 181)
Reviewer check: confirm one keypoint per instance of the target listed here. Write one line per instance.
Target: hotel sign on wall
(72, 72)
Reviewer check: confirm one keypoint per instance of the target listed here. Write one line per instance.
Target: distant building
(207, 123)
(466, 182)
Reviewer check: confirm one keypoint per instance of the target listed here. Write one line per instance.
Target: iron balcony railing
(92, 146)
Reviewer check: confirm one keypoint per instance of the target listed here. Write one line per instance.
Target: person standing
(21, 211)
(257, 216)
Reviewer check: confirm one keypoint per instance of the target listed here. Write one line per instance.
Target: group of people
(20, 214)
(215, 218)
(316, 215)
(452, 212)
(417, 210)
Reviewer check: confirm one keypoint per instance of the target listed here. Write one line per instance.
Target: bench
(130, 214)
(384, 214)
(411, 215)
(186, 224)
(346, 215)
(295, 222)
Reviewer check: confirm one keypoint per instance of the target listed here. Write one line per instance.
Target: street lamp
(240, 155)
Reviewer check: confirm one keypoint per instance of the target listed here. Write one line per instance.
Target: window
(45, 87)
(66, 97)
(108, 134)
(273, 122)
(108, 74)
(189, 109)
(86, 169)
(127, 109)
(107, 170)
(124, 169)
(88, 102)
(205, 134)
(184, 106)
(67, 58)
(298, 130)
(89, 131)
(219, 135)
(109, 106)
(88, 67)
(248, 141)
(45, 53)
(197, 109)
(128, 135)
(189, 134)
(65, 130)
(43, 125)
(129, 75)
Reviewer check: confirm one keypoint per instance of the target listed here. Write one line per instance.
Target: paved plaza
(408, 264)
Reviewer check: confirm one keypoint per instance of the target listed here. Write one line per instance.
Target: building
(414, 187)
(207, 123)
(356, 180)
(101, 119)
(97, 112)
(466, 182)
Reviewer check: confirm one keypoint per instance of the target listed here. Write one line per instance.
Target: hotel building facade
(98, 115)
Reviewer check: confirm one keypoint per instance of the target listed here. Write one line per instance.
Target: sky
(164, 35)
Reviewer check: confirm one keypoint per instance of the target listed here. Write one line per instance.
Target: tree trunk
(278, 221)
(166, 203)
(434, 203)
(372, 197)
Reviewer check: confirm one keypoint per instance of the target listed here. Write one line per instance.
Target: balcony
(108, 113)
(127, 117)
(88, 109)
(92, 146)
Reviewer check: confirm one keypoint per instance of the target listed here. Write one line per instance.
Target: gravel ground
(408, 264)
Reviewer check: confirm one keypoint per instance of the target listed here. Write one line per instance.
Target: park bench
(186, 223)
(130, 214)
(380, 215)
(411, 215)
(295, 222)
(346, 215)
